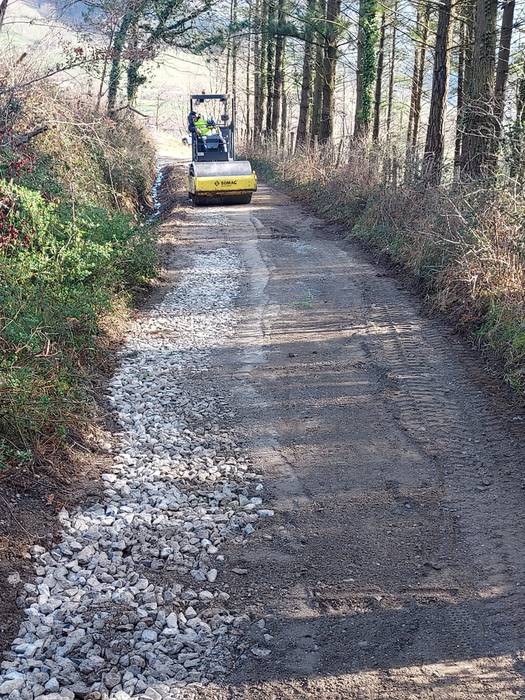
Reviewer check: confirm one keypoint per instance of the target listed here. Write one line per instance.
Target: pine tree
(502, 68)
(329, 67)
(366, 59)
(434, 145)
(379, 79)
(279, 68)
(317, 102)
(307, 75)
(422, 22)
(479, 123)
(391, 78)
(270, 66)
(260, 28)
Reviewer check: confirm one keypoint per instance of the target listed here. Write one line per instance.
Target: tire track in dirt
(412, 482)
(451, 420)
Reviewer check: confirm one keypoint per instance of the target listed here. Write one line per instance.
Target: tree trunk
(270, 57)
(459, 98)
(228, 49)
(248, 70)
(392, 70)
(434, 146)
(414, 79)
(478, 144)
(502, 69)
(333, 9)
(422, 21)
(420, 75)
(279, 67)
(317, 103)
(366, 41)
(119, 42)
(259, 59)
(3, 10)
(234, 46)
(306, 83)
(135, 62)
(227, 69)
(104, 70)
(379, 78)
(518, 132)
(284, 119)
(468, 11)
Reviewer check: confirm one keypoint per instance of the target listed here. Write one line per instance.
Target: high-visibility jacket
(202, 126)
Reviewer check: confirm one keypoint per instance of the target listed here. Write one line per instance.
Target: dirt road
(314, 492)
(394, 566)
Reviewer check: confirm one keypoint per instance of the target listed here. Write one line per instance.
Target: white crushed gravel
(130, 604)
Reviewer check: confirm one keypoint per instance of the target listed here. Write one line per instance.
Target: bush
(72, 247)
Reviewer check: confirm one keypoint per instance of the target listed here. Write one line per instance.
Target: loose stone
(108, 616)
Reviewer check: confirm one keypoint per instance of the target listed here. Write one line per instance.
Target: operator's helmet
(211, 122)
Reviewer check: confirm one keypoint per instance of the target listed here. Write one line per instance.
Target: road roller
(215, 176)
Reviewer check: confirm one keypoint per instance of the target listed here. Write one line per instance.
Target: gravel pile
(130, 602)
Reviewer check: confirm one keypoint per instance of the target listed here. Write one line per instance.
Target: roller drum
(221, 169)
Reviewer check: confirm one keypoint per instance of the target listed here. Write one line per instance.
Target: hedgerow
(73, 247)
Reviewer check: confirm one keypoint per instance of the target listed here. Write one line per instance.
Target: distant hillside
(48, 26)
(30, 22)
(59, 9)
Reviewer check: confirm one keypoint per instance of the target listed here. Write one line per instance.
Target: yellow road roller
(214, 176)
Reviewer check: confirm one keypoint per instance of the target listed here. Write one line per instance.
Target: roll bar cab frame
(227, 128)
